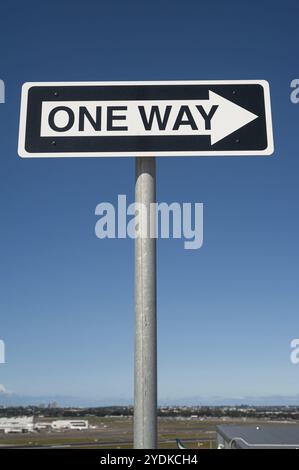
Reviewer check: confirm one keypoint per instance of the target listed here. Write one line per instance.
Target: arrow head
(228, 118)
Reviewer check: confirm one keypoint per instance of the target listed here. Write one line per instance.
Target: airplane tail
(180, 444)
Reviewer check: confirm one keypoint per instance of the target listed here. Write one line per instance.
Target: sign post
(145, 384)
(142, 119)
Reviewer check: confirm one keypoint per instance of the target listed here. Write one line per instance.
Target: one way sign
(145, 118)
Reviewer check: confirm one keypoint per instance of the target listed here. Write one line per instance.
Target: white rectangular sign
(145, 118)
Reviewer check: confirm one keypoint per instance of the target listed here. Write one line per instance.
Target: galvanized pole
(145, 387)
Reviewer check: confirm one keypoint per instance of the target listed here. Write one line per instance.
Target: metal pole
(145, 387)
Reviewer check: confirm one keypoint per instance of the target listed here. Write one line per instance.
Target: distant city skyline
(12, 399)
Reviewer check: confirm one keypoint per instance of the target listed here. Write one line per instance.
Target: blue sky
(226, 312)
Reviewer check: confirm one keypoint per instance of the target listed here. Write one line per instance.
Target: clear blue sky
(227, 312)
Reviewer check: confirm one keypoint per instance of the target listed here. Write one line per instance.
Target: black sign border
(252, 137)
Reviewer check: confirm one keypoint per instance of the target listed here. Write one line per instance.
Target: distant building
(53, 404)
(78, 424)
(24, 424)
(284, 436)
(39, 426)
(16, 425)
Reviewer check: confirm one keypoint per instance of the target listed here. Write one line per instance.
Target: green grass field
(117, 433)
